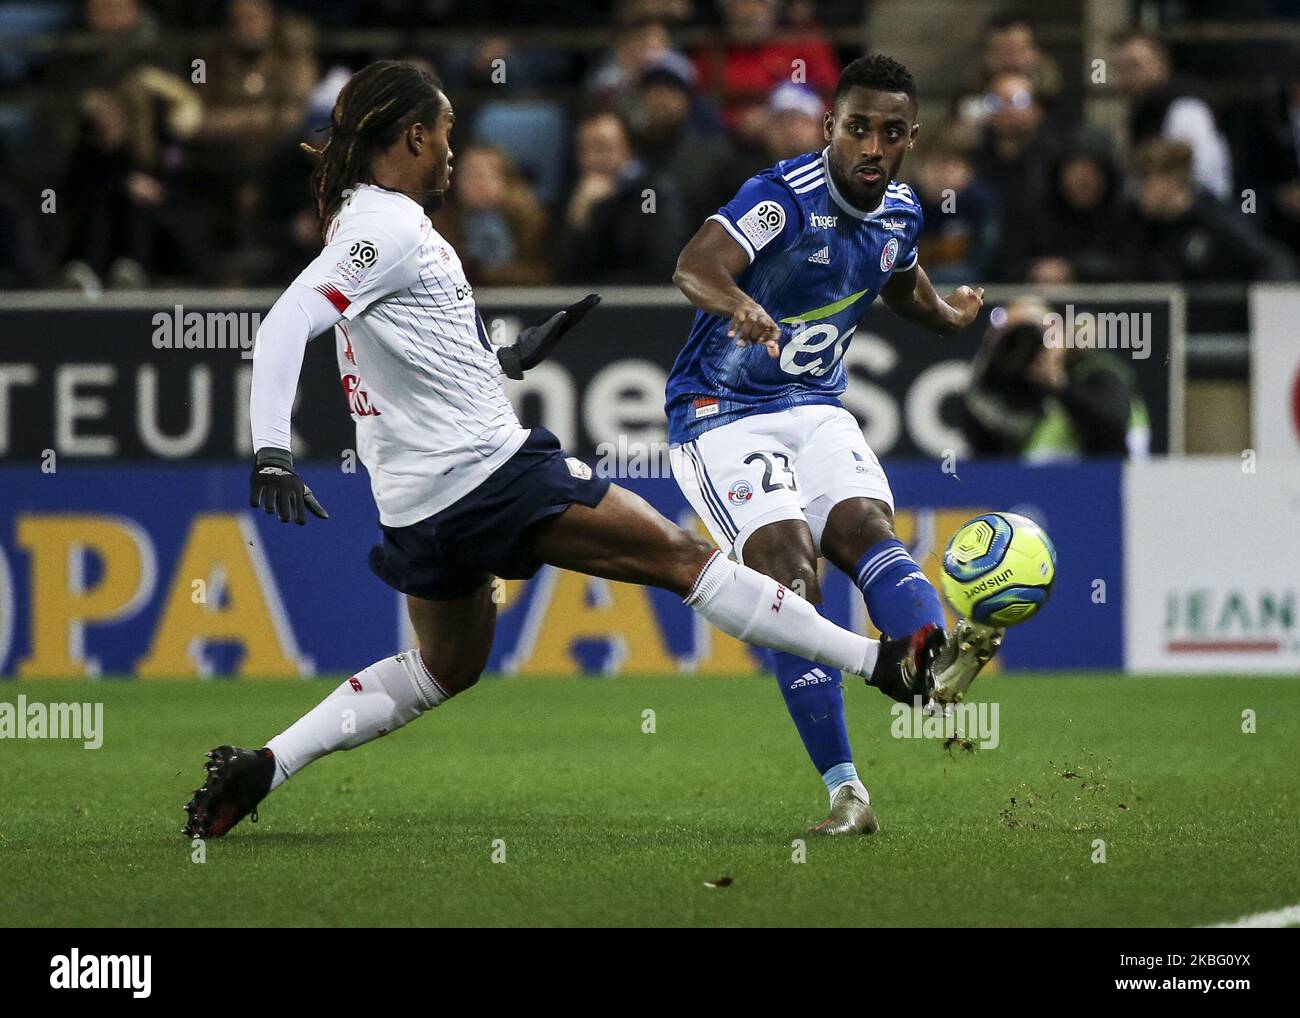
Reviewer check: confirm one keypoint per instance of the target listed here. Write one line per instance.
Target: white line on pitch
(1289, 916)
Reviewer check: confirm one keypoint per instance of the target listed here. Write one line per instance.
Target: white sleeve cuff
(736, 235)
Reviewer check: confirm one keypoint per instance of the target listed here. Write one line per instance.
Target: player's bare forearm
(707, 269)
(709, 287)
(912, 296)
(706, 273)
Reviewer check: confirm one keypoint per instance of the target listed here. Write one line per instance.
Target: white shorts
(796, 464)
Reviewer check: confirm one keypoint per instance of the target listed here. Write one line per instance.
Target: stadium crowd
(182, 162)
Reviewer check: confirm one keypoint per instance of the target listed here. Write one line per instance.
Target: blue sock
(899, 598)
(814, 695)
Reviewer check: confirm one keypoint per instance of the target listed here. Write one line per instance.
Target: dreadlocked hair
(377, 104)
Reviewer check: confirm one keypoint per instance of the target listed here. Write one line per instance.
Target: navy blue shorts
(486, 534)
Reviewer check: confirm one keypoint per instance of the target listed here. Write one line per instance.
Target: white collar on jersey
(363, 186)
(843, 202)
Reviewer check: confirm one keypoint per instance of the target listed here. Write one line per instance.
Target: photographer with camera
(1045, 401)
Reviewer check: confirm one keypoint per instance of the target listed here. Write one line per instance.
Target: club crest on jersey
(578, 469)
(762, 223)
(740, 493)
(889, 255)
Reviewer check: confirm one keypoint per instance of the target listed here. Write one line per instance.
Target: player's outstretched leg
(969, 648)
(859, 538)
(624, 538)
(813, 691)
(455, 638)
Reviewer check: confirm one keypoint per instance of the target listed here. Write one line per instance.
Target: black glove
(537, 341)
(279, 490)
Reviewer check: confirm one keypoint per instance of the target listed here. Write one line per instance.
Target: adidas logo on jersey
(822, 257)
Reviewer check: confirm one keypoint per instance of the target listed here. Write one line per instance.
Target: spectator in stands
(639, 43)
(670, 145)
(623, 224)
(493, 221)
(1039, 399)
(1178, 234)
(506, 59)
(289, 225)
(125, 211)
(501, 68)
(756, 56)
(1269, 151)
(498, 85)
(960, 235)
(1161, 106)
(1014, 152)
(1071, 234)
(796, 117)
(670, 12)
(19, 265)
(258, 83)
(124, 33)
(1010, 47)
(257, 87)
(790, 123)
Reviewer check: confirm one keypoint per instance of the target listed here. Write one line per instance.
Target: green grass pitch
(604, 824)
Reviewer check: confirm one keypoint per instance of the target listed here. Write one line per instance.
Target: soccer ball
(998, 569)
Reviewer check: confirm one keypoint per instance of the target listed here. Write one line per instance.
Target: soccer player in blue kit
(760, 443)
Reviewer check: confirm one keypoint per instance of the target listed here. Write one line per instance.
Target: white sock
(756, 609)
(858, 787)
(375, 701)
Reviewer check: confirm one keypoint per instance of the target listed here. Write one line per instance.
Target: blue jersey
(815, 265)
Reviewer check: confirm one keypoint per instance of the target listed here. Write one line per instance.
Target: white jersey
(421, 378)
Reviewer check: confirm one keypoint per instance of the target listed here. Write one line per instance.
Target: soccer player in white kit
(464, 492)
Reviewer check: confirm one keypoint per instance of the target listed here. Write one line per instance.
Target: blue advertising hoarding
(162, 571)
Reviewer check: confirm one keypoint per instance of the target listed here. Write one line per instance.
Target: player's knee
(801, 577)
(785, 552)
(684, 557)
(458, 679)
(877, 523)
(854, 527)
(456, 671)
(793, 566)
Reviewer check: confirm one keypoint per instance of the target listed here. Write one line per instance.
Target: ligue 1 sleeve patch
(762, 223)
(362, 254)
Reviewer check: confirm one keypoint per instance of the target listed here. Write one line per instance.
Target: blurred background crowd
(166, 133)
